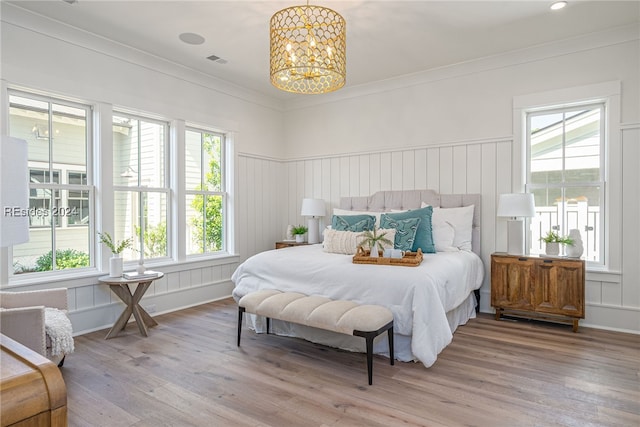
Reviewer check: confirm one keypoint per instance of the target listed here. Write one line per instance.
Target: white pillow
(337, 211)
(460, 219)
(443, 236)
(346, 242)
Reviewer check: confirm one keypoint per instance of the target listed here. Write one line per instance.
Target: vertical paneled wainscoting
(487, 167)
(484, 167)
(613, 297)
(94, 306)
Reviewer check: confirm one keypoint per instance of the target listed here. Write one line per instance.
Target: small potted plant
(115, 262)
(553, 241)
(374, 241)
(299, 231)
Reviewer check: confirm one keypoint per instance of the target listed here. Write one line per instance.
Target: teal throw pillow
(356, 223)
(424, 234)
(405, 230)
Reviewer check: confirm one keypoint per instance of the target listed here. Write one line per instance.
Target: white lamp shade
(313, 207)
(14, 192)
(515, 205)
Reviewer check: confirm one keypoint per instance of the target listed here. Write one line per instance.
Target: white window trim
(608, 93)
(6, 270)
(141, 189)
(228, 230)
(101, 170)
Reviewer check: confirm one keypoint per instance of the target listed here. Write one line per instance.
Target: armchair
(38, 320)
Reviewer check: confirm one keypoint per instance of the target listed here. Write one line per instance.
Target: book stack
(134, 275)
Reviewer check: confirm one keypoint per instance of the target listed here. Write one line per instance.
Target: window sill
(90, 275)
(603, 274)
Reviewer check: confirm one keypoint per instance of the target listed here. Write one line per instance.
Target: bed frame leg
(477, 294)
(240, 311)
(268, 325)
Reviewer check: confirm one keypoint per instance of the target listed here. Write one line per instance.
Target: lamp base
(515, 237)
(314, 226)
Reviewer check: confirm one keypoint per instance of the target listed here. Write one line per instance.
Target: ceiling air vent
(217, 59)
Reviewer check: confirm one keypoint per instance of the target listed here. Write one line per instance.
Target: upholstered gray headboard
(412, 199)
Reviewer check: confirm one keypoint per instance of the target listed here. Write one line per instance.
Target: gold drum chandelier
(308, 50)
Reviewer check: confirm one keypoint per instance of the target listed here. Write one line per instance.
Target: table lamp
(515, 206)
(313, 208)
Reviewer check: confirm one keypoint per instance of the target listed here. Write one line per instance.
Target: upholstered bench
(345, 317)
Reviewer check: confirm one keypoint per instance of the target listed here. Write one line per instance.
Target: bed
(428, 302)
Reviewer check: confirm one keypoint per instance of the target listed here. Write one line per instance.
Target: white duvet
(419, 297)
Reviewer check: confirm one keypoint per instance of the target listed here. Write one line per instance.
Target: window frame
(223, 192)
(564, 185)
(44, 187)
(78, 189)
(609, 93)
(60, 188)
(141, 190)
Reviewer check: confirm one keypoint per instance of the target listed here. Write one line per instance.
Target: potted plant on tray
(553, 241)
(299, 231)
(374, 241)
(115, 262)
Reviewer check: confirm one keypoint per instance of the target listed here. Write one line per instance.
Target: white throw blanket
(419, 297)
(58, 327)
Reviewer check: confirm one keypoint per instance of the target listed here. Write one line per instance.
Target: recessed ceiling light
(191, 38)
(558, 5)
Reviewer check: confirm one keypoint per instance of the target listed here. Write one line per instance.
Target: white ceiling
(385, 39)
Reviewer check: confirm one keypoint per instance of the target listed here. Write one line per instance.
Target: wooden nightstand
(545, 288)
(288, 244)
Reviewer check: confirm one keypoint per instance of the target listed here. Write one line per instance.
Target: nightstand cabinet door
(512, 282)
(560, 288)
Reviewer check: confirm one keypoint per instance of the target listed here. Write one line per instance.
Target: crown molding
(12, 14)
(596, 40)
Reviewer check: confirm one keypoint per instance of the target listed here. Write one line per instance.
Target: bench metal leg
(369, 336)
(240, 311)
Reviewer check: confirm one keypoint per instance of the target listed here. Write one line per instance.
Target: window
(141, 184)
(206, 195)
(565, 152)
(40, 201)
(77, 200)
(58, 134)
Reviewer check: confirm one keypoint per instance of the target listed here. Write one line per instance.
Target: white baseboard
(104, 316)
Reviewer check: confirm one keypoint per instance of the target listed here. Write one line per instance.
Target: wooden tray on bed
(410, 259)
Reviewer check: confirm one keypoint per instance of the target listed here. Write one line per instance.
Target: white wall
(449, 130)
(39, 54)
(452, 130)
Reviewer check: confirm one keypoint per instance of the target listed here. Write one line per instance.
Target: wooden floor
(189, 372)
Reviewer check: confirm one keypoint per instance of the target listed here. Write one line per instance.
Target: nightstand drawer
(286, 244)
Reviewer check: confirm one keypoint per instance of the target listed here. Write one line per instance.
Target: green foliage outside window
(208, 225)
(155, 240)
(65, 258)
